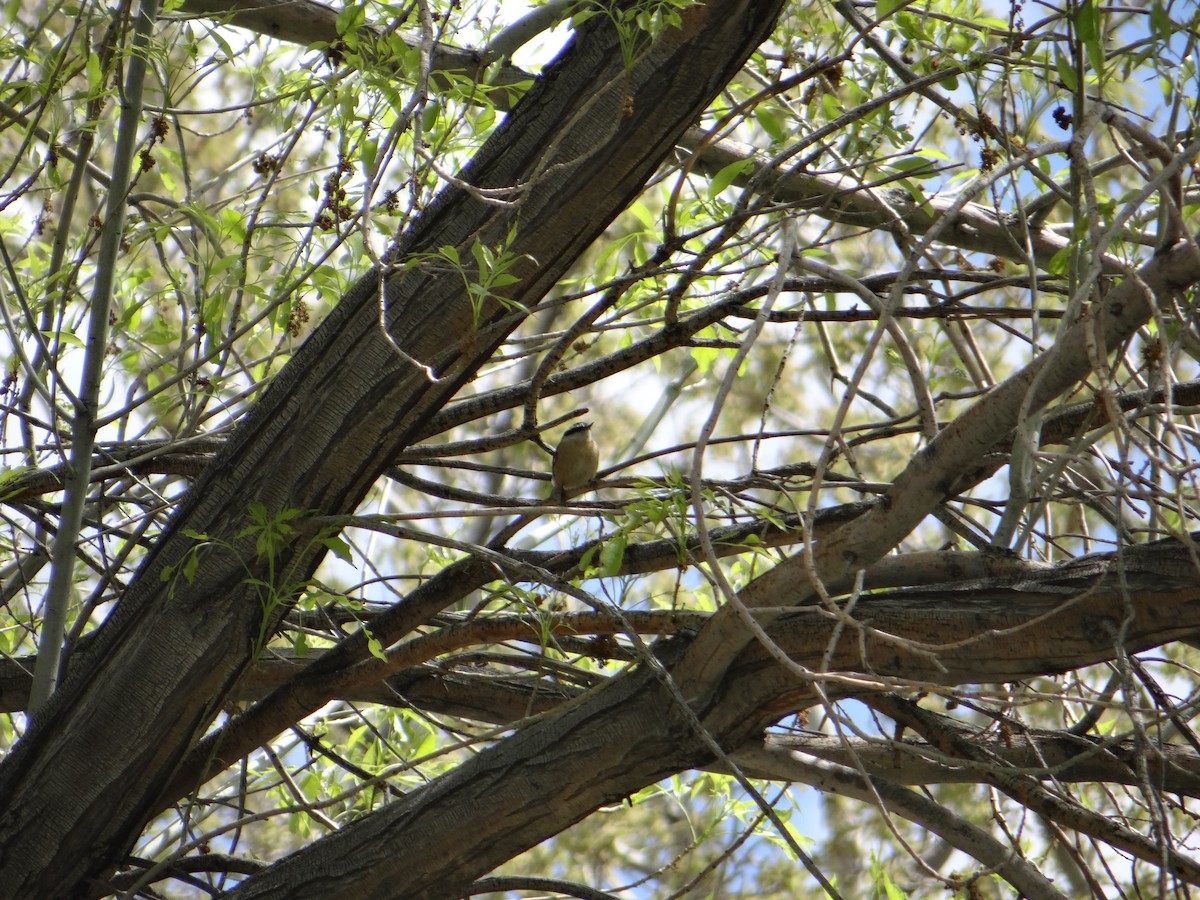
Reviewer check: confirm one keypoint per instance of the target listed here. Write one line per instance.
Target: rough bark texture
(91, 770)
(630, 733)
(308, 22)
(109, 749)
(437, 840)
(933, 473)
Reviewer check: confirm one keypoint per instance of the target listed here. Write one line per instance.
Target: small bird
(575, 460)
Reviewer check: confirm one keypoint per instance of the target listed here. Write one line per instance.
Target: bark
(1058, 755)
(633, 731)
(96, 762)
(934, 473)
(437, 840)
(957, 831)
(83, 782)
(308, 22)
(838, 198)
(994, 593)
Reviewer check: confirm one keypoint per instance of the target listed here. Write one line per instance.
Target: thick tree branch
(308, 22)
(569, 158)
(170, 658)
(1063, 756)
(629, 733)
(933, 473)
(847, 781)
(1031, 794)
(834, 197)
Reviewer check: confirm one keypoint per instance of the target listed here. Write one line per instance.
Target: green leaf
(1066, 71)
(613, 554)
(830, 106)
(705, 357)
(370, 152)
(1088, 27)
(1060, 263)
(349, 20)
(233, 224)
(1085, 22)
(482, 256)
(585, 561)
(727, 176)
(913, 27)
(10, 479)
(376, 648)
(429, 115)
(1160, 21)
(770, 123)
(95, 76)
(338, 548)
(914, 166)
(224, 263)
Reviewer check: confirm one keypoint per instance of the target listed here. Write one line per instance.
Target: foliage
(814, 303)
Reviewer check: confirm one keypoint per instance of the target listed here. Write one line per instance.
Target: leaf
(1090, 31)
(585, 561)
(429, 115)
(483, 257)
(1060, 263)
(613, 554)
(727, 175)
(914, 166)
(370, 152)
(190, 566)
(350, 19)
(225, 262)
(1085, 22)
(770, 123)
(338, 548)
(704, 357)
(11, 478)
(67, 337)
(1066, 72)
(95, 76)
(233, 224)
(1160, 21)
(376, 648)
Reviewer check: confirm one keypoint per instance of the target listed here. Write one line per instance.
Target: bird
(575, 461)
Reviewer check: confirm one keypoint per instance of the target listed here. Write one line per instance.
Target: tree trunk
(631, 732)
(82, 784)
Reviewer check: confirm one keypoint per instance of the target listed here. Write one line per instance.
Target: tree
(898, 299)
